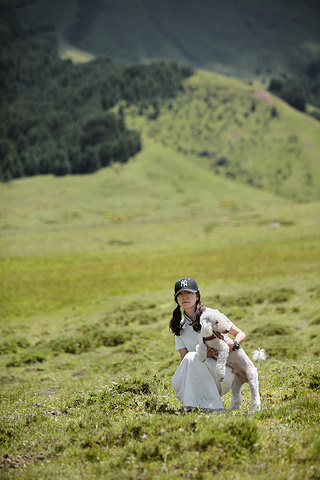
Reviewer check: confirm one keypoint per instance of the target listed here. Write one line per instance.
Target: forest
(55, 116)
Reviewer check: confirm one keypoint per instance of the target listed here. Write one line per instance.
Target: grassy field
(88, 266)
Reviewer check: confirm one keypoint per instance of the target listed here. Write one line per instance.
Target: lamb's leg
(201, 351)
(236, 399)
(223, 354)
(253, 381)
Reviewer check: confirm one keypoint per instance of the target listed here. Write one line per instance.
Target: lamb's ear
(206, 328)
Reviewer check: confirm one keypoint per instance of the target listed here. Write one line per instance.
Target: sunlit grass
(86, 356)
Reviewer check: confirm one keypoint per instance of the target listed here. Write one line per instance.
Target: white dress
(195, 383)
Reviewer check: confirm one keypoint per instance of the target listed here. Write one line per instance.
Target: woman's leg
(195, 386)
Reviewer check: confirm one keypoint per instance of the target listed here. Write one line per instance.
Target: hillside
(157, 185)
(61, 118)
(239, 132)
(246, 39)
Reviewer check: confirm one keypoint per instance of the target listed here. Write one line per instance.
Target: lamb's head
(206, 327)
(212, 319)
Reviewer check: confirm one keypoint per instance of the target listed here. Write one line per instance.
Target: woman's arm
(183, 352)
(238, 335)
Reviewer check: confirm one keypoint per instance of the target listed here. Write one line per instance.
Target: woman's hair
(175, 321)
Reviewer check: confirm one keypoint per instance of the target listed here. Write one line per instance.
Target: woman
(195, 383)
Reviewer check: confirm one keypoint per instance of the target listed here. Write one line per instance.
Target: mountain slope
(124, 203)
(241, 39)
(245, 134)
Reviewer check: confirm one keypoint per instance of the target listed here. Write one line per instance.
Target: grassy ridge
(238, 131)
(158, 184)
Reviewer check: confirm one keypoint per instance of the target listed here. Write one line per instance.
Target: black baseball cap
(186, 284)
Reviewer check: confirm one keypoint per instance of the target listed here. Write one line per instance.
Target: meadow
(88, 265)
(226, 190)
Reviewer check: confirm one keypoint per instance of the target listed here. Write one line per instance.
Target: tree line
(55, 116)
(300, 90)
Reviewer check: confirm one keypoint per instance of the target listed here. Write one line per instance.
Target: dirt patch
(236, 135)
(8, 461)
(263, 94)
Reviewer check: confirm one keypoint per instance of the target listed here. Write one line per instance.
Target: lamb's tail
(260, 355)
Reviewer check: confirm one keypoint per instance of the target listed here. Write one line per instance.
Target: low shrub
(282, 351)
(88, 338)
(314, 383)
(279, 295)
(13, 345)
(271, 329)
(28, 358)
(276, 85)
(134, 385)
(249, 299)
(73, 345)
(315, 321)
(9, 346)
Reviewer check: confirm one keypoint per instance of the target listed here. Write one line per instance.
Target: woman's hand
(239, 336)
(183, 352)
(229, 342)
(212, 352)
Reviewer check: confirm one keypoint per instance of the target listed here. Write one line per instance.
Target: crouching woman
(195, 383)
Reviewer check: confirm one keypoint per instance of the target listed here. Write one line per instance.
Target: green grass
(154, 186)
(88, 266)
(87, 358)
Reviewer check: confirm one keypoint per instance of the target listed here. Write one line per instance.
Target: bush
(280, 295)
(86, 339)
(12, 346)
(276, 85)
(315, 321)
(248, 299)
(28, 358)
(314, 383)
(272, 329)
(313, 70)
(134, 385)
(298, 91)
(295, 95)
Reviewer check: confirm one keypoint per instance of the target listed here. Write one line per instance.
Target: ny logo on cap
(184, 283)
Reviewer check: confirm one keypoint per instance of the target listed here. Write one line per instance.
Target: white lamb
(212, 321)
